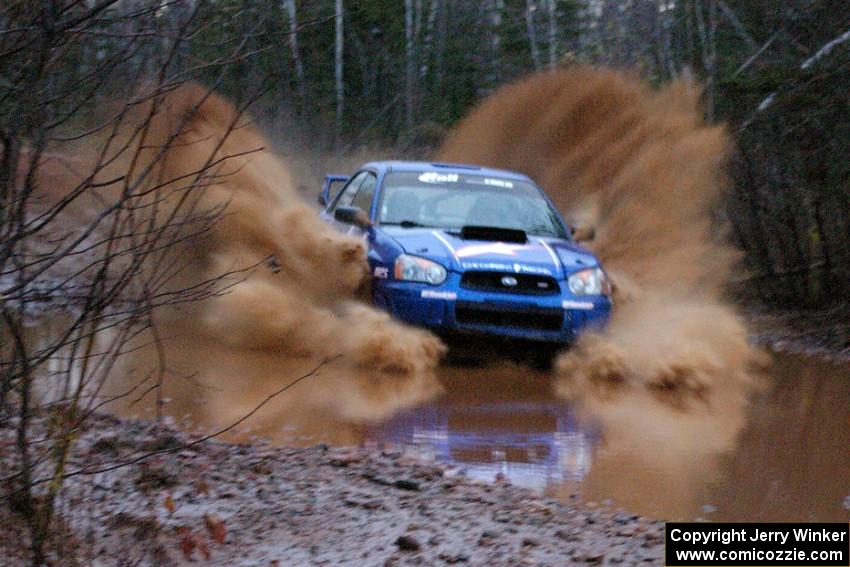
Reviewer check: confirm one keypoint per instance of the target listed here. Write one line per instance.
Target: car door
(364, 200)
(344, 199)
(382, 250)
(359, 193)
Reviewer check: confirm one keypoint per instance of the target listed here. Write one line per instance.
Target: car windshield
(453, 200)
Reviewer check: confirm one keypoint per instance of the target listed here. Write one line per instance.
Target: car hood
(540, 255)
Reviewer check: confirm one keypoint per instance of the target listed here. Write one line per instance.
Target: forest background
(335, 76)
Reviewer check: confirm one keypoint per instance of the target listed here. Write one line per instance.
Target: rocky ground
(219, 504)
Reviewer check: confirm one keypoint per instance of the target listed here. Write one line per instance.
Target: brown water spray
(640, 170)
(280, 283)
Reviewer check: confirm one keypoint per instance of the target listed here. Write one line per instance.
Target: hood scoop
(493, 234)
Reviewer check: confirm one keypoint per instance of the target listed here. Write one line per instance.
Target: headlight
(415, 269)
(589, 282)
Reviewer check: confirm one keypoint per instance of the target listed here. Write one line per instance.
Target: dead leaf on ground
(216, 528)
(188, 542)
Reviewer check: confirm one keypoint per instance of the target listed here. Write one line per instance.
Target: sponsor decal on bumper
(432, 294)
(569, 304)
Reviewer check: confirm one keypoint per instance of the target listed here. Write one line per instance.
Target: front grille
(537, 319)
(524, 283)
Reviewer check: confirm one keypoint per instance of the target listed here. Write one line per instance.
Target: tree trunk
(428, 47)
(410, 64)
(712, 44)
(530, 8)
(707, 35)
(340, 90)
(664, 25)
(553, 33)
(736, 23)
(296, 55)
(417, 20)
(440, 43)
(495, 8)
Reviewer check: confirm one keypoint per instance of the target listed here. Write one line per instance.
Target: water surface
(786, 458)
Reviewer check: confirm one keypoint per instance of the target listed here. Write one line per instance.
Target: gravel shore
(213, 503)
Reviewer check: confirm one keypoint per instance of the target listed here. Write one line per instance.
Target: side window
(335, 189)
(346, 196)
(364, 197)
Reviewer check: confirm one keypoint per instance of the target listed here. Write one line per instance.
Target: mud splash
(718, 463)
(252, 290)
(639, 169)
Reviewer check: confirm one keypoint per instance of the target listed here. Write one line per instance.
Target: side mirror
(352, 215)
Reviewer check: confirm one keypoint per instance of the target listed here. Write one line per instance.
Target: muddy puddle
(788, 459)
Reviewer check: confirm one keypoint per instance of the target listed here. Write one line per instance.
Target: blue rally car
(460, 249)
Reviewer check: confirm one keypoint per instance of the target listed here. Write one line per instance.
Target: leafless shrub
(88, 225)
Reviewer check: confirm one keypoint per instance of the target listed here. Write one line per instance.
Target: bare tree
(430, 31)
(553, 33)
(494, 10)
(530, 9)
(708, 41)
(736, 23)
(663, 25)
(823, 52)
(91, 225)
(296, 54)
(340, 85)
(409, 64)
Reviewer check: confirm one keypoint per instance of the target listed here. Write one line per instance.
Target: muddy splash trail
(640, 172)
(252, 290)
(661, 414)
(635, 167)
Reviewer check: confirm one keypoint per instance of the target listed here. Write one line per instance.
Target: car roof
(425, 166)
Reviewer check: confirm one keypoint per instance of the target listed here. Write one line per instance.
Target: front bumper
(450, 309)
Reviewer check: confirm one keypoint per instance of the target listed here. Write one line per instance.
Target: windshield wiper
(541, 230)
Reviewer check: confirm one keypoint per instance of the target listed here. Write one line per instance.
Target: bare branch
(824, 51)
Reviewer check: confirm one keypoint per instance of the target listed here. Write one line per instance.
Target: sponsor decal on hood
(479, 256)
(501, 267)
(491, 248)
